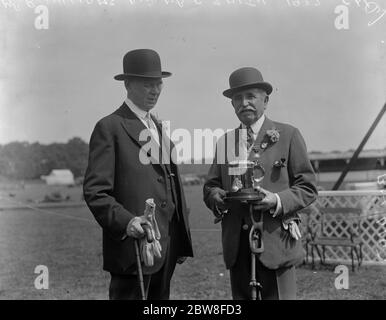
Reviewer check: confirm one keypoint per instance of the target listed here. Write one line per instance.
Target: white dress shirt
(145, 119)
(255, 126)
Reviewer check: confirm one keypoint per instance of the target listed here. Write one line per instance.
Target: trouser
(279, 284)
(157, 285)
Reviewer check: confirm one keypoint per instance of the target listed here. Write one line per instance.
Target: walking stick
(149, 238)
(139, 269)
(257, 246)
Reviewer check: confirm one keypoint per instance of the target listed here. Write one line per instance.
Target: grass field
(68, 241)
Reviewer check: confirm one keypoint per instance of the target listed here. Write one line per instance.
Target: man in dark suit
(288, 185)
(124, 170)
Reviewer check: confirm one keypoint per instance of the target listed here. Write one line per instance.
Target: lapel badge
(256, 155)
(279, 163)
(264, 145)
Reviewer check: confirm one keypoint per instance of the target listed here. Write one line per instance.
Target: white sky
(57, 83)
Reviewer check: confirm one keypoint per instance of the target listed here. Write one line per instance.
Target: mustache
(246, 109)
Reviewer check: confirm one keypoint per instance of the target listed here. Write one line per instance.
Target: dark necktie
(250, 137)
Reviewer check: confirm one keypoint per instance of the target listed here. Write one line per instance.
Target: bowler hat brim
(123, 76)
(260, 85)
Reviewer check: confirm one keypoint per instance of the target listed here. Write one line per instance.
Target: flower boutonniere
(272, 136)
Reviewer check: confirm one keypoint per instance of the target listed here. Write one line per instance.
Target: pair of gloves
(145, 228)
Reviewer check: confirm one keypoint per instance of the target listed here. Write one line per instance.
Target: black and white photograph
(209, 151)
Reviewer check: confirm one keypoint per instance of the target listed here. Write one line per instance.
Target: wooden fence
(373, 223)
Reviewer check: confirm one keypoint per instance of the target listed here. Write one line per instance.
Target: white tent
(59, 177)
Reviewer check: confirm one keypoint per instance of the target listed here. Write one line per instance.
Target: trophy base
(244, 195)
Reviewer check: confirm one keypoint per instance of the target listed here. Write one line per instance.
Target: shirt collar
(141, 114)
(255, 126)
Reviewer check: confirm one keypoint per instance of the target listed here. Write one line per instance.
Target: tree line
(23, 160)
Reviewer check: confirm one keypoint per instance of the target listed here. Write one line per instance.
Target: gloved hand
(134, 228)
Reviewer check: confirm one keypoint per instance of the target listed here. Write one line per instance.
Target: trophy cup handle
(258, 174)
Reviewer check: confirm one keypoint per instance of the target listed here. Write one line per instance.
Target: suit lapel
(133, 127)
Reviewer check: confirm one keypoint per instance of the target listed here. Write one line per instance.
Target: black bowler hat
(246, 78)
(144, 63)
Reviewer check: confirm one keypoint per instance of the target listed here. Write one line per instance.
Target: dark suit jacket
(294, 183)
(117, 184)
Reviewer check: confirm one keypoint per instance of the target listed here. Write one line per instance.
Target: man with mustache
(122, 174)
(288, 185)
